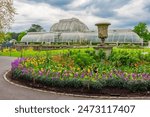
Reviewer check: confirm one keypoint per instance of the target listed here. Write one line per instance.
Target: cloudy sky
(120, 13)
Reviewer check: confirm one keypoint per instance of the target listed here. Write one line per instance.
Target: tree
(35, 28)
(7, 12)
(21, 35)
(2, 36)
(142, 30)
(5, 37)
(8, 36)
(14, 35)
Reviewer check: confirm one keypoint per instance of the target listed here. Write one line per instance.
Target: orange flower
(136, 65)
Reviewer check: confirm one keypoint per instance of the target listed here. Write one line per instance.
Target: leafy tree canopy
(21, 35)
(142, 30)
(14, 35)
(36, 28)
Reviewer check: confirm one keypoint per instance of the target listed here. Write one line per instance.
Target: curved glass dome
(123, 36)
(38, 37)
(69, 25)
(114, 36)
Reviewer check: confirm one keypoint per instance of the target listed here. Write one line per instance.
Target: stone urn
(102, 31)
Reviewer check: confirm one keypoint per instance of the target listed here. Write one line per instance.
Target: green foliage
(122, 74)
(136, 86)
(142, 30)
(133, 86)
(29, 53)
(2, 36)
(14, 35)
(116, 82)
(96, 85)
(5, 37)
(83, 60)
(98, 56)
(35, 28)
(129, 46)
(128, 57)
(73, 82)
(21, 35)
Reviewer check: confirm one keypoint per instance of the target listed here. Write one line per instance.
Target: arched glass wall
(114, 36)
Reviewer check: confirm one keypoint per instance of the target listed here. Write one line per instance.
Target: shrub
(96, 85)
(124, 57)
(73, 82)
(136, 86)
(97, 56)
(101, 54)
(77, 83)
(83, 60)
(131, 46)
(116, 82)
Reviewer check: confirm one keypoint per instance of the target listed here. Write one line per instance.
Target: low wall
(39, 47)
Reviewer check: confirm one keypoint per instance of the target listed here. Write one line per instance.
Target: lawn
(30, 52)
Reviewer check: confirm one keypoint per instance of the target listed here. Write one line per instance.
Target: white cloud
(36, 13)
(135, 11)
(45, 14)
(78, 3)
(132, 10)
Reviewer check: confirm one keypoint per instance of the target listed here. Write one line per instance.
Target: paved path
(11, 92)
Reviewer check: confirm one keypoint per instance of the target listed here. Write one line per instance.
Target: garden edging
(68, 94)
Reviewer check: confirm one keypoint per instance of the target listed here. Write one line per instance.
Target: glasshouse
(73, 30)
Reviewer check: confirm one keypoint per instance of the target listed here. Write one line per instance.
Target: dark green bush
(96, 85)
(131, 46)
(136, 86)
(99, 84)
(116, 82)
(74, 83)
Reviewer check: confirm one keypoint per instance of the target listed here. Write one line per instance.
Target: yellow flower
(78, 68)
(89, 70)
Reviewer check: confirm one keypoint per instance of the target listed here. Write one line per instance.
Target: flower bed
(87, 70)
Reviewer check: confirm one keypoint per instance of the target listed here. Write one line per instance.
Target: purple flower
(126, 79)
(40, 73)
(24, 71)
(82, 75)
(91, 74)
(110, 75)
(146, 76)
(103, 76)
(15, 63)
(134, 75)
(76, 75)
(58, 74)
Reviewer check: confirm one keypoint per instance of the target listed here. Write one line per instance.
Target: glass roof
(114, 36)
(69, 25)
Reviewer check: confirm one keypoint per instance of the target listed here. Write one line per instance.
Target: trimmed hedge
(77, 83)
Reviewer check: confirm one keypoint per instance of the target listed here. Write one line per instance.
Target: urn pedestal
(103, 34)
